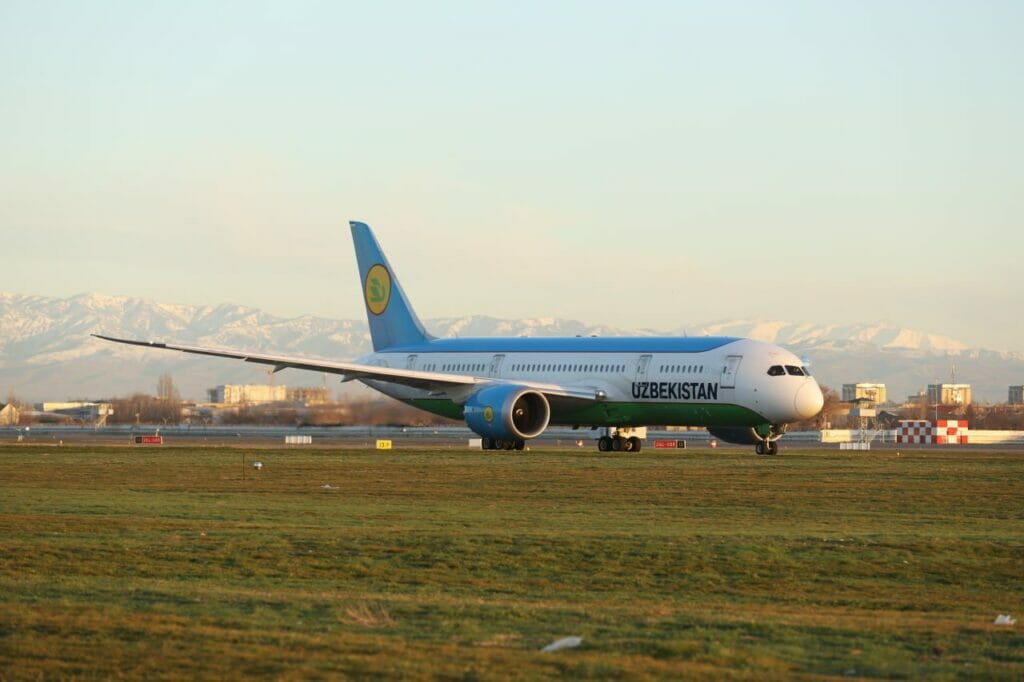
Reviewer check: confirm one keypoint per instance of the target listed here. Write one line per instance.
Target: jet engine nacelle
(507, 412)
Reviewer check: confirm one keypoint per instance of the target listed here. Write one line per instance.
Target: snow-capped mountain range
(46, 352)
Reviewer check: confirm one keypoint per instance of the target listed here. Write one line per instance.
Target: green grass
(462, 565)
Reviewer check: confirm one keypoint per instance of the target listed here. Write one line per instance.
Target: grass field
(462, 565)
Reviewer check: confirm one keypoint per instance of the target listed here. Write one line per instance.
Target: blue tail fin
(392, 320)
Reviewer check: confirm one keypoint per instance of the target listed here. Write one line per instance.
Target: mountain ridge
(46, 350)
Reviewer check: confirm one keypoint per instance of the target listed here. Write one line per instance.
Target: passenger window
(776, 371)
(794, 370)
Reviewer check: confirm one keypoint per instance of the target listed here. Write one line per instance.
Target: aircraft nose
(808, 401)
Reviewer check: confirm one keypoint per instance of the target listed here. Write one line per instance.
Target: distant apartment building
(873, 392)
(1016, 395)
(8, 415)
(949, 394)
(248, 394)
(308, 395)
(918, 398)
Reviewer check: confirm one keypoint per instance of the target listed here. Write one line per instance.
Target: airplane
(509, 390)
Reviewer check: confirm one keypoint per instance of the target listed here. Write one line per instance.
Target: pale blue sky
(644, 164)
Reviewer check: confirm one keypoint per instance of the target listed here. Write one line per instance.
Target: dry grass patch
(372, 615)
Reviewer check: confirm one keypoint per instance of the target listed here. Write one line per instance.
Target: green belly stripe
(624, 413)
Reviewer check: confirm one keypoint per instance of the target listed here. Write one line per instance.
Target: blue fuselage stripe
(572, 344)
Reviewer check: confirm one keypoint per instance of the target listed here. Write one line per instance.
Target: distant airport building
(9, 415)
(93, 413)
(264, 394)
(1017, 395)
(872, 392)
(248, 394)
(949, 394)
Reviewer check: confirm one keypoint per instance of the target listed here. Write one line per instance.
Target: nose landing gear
(769, 443)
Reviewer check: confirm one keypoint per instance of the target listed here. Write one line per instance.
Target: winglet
(392, 320)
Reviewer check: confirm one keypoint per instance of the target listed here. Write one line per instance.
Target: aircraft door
(732, 363)
(496, 366)
(641, 367)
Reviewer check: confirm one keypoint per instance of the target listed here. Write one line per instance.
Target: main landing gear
(619, 444)
(622, 438)
(500, 444)
(767, 447)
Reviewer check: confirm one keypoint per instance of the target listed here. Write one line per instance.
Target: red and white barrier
(916, 431)
(923, 432)
(951, 432)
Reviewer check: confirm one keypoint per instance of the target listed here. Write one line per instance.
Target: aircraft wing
(439, 382)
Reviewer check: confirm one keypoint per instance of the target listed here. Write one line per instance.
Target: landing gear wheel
(635, 444)
(617, 444)
(486, 443)
(604, 443)
(520, 444)
(771, 448)
(759, 448)
(509, 444)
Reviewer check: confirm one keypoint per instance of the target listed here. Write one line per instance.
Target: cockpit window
(807, 372)
(795, 371)
(776, 371)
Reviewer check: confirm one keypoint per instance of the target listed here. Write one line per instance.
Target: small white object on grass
(257, 465)
(1003, 619)
(564, 643)
(328, 486)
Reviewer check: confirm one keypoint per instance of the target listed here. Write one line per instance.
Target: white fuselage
(734, 374)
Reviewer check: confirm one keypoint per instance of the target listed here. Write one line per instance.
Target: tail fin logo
(377, 289)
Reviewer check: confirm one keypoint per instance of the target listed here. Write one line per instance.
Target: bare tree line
(166, 407)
